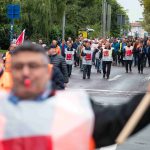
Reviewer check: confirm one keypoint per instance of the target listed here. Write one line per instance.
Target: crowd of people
(100, 53)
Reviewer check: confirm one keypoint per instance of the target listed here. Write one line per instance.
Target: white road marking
(107, 91)
(147, 78)
(115, 78)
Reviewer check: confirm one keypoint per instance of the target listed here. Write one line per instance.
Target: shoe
(84, 77)
(100, 71)
(103, 75)
(141, 72)
(126, 71)
(88, 77)
(131, 70)
(107, 77)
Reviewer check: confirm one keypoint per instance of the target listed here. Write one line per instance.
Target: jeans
(128, 64)
(69, 68)
(106, 68)
(87, 71)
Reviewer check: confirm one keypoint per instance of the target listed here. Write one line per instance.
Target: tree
(146, 22)
(43, 18)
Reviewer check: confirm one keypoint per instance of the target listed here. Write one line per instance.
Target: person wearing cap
(33, 116)
(107, 58)
(69, 57)
(87, 60)
(58, 61)
(57, 76)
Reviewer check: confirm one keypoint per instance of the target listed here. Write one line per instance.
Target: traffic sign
(13, 11)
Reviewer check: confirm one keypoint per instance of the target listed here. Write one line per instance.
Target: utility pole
(104, 3)
(63, 25)
(108, 19)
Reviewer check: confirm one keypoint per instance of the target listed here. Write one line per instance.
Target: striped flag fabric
(20, 39)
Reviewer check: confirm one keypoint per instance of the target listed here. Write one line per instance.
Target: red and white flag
(20, 39)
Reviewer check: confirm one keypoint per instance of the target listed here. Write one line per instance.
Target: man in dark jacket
(58, 61)
(57, 79)
(141, 56)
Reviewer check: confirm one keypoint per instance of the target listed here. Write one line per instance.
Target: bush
(3, 51)
(4, 36)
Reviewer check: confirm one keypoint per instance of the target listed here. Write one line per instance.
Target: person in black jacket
(141, 55)
(57, 79)
(58, 61)
(108, 121)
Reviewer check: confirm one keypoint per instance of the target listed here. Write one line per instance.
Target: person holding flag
(5, 79)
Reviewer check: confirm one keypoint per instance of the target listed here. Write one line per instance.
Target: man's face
(32, 66)
(54, 42)
(87, 44)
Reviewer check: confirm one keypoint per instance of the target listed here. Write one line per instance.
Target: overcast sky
(134, 9)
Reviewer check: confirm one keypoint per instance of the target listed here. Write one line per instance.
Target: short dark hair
(30, 47)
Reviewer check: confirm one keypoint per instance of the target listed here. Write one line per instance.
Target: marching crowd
(102, 53)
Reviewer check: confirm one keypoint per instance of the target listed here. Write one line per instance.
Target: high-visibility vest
(107, 55)
(87, 59)
(69, 56)
(8, 62)
(50, 67)
(120, 49)
(129, 53)
(62, 122)
(58, 50)
(6, 82)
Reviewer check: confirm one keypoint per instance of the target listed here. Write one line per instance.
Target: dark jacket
(59, 61)
(140, 53)
(57, 79)
(109, 121)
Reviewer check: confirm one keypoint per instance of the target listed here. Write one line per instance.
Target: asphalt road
(118, 89)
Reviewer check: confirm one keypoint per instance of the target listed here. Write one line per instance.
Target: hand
(65, 85)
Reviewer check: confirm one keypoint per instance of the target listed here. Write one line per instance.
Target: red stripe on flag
(20, 39)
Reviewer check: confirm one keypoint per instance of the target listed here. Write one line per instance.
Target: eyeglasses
(32, 66)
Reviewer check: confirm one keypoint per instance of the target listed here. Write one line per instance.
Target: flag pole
(134, 119)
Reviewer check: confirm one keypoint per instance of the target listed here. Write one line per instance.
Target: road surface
(118, 89)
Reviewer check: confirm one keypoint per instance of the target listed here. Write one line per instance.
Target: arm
(57, 79)
(83, 54)
(64, 70)
(109, 121)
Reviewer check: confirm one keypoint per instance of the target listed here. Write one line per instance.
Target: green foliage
(42, 19)
(3, 51)
(146, 22)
